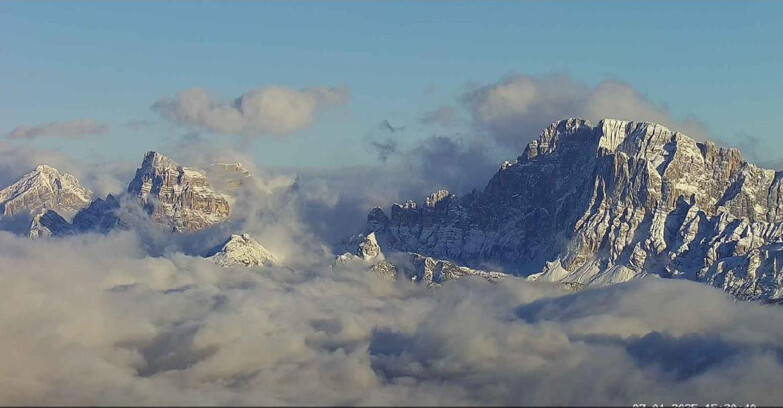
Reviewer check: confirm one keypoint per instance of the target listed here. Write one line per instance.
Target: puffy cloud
(73, 129)
(516, 108)
(176, 329)
(273, 110)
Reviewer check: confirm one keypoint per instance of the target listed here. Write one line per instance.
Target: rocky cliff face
(177, 196)
(44, 188)
(100, 216)
(608, 203)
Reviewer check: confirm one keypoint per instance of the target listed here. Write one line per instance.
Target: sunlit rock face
(44, 188)
(177, 196)
(605, 204)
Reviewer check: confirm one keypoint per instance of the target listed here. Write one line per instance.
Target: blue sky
(719, 62)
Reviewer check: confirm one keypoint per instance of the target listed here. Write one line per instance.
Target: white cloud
(273, 110)
(73, 129)
(134, 329)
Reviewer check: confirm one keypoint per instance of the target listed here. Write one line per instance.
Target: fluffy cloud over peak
(273, 110)
(73, 129)
(516, 108)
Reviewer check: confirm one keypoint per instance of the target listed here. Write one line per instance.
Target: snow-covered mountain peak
(369, 250)
(155, 159)
(46, 169)
(242, 249)
(635, 138)
(44, 187)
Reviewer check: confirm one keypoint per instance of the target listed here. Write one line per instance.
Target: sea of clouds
(98, 321)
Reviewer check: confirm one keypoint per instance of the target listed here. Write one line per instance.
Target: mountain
(48, 223)
(593, 205)
(413, 266)
(176, 196)
(100, 216)
(44, 187)
(242, 250)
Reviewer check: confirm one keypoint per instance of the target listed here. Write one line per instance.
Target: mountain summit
(177, 196)
(242, 250)
(44, 187)
(609, 203)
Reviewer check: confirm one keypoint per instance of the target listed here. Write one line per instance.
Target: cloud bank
(175, 329)
(273, 110)
(74, 129)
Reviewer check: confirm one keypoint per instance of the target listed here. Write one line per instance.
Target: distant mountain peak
(243, 250)
(177, 196)
(44, 187)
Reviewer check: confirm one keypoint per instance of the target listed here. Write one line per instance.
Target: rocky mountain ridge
(176, 196)
(605, 204)
(415, 267)
(582, 205)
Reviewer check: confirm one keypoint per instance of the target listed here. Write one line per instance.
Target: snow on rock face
(369, 249)
(595, 205)
(99, 216)
(434, 272)
(415, 267)
(177, 196)
(242, 250)
(44, 187)
(48, 223)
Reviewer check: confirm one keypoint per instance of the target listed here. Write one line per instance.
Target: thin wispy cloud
(385, 125)
(444, 116)
(74, 129)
